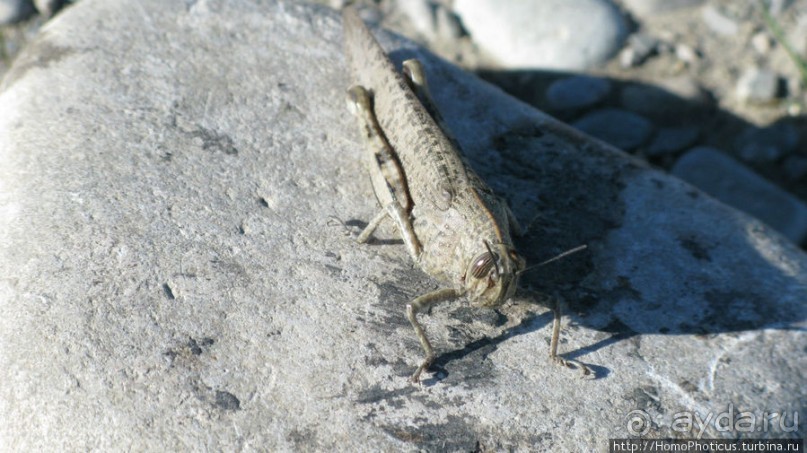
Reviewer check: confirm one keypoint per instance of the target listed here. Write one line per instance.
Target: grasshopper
(452, 224)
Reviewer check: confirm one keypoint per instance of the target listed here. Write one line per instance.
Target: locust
(455, 228)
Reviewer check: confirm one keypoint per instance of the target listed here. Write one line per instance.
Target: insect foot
(426, 301)
(553, 344)
(572, 364)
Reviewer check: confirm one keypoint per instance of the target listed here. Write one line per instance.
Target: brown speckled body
(454, 214)
(454, 227)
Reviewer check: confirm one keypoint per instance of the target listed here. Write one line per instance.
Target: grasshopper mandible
(453, 225)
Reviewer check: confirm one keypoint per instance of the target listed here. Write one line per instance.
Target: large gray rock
(172, 276)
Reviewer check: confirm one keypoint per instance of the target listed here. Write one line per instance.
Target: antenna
(555, 258)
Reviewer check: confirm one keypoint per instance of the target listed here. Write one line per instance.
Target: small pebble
(798, 36)
(736, 185)
(549, 34)
(620, 128)
(686, 53)
(719, 22)
(795, 167)
(767, 144)
(421, 14)
(670, 140)
(448, 25)
(577, 92)
(628, 58)
(13, 11)
(686, 87)
(757, 86)
(672, 98)
(793, 88)
(649, 8)
(640, 47)
(762, 43)
(775, 7)
(48, 8)
(664, 47)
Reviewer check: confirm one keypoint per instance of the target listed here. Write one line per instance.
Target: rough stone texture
(735, 184)
(172, 276)
(552, 34)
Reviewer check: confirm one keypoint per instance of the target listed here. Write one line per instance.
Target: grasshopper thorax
(492, 276)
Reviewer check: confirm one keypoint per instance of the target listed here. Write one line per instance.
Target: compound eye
(483, 264)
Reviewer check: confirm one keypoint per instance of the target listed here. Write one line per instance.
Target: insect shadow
(466, 360)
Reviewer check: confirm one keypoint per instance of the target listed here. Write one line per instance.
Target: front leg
(412, 310)
(553, 343)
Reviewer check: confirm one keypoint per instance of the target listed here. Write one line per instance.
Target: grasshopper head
(492, 276)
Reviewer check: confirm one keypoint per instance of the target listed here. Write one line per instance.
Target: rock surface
(767, 144)
(618, 127)
(719, 22)
(671, 100)
(643, 8)
(172, 276)
(736, 185)
(670, 140)
(577, 92)
(14, 10)
(757, 85)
